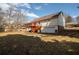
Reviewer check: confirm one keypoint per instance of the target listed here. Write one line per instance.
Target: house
(48, 24)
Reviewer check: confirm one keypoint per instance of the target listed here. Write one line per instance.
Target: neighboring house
(48, 24)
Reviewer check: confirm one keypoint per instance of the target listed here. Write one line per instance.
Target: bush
(1, 29)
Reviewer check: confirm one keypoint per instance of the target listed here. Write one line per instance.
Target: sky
(36, 10)
(42, 9)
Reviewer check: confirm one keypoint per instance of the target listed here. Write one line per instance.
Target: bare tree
(1, 24)
(12, 14)
(68, 19)
(77, 18)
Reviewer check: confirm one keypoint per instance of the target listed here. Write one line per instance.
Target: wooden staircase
(36, 28)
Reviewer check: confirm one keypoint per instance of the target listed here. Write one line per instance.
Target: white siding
(50, 26)
(53, 22)
(44, 23)
(48, 30)
(61, 20)
(49, 23)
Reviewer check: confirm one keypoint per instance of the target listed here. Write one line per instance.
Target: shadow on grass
(29, 45)
(69, 33)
